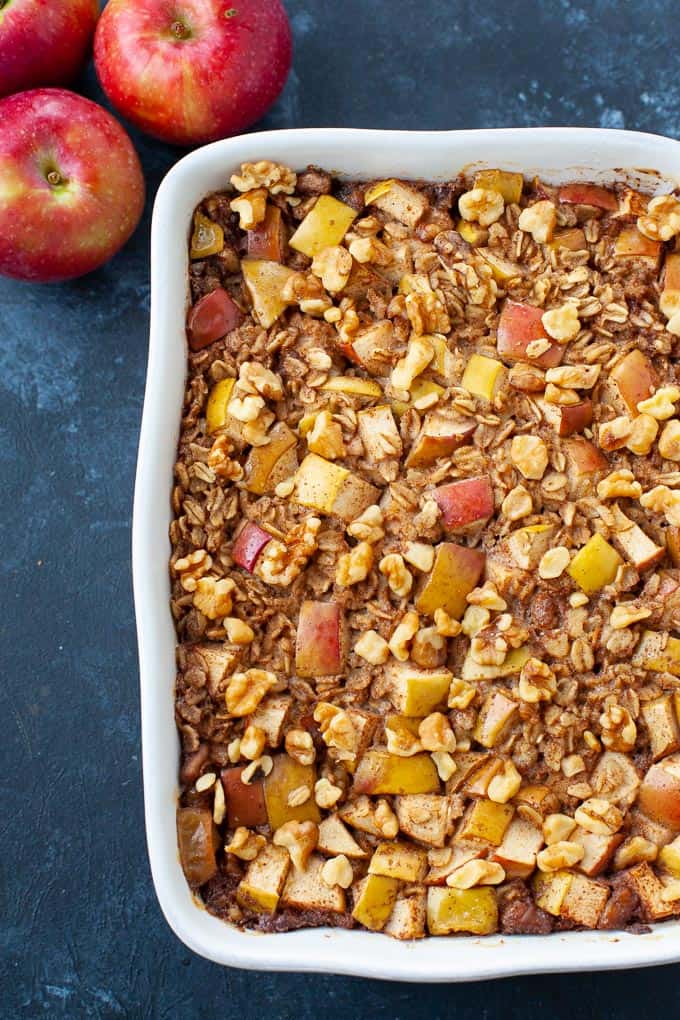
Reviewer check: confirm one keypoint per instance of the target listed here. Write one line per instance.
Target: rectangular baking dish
(556, 154)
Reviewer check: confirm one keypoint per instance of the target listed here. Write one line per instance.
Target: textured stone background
(81, 934)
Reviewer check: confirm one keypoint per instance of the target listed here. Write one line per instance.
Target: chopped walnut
(306, 291)
(337, 729)
(663, 500)
(461, 693)
(419, 555)
(537, 682)
(354, 566)
(643, 432)
(517, 504)
(245, 844)
(299, 839)
(482, 205)
(300, 746)
(476, 872)
(277, 179)
(238, 632)
(445, 765)
(246, 690)
(385, 819)
(487, 597)
(398, 577)
(326, 794)
(251, 208)
(325, 437)
(333, 266)
(620, 484)
(539, 220)
(253, 742)
(505, 784)
(400, 738)
(619, 731)
(337, 871)
(373, 648)
(426, 313)
(428, 648)
(527, 378)
(190, 569)
(280, 563)
(576, 377)
(557, 828)
(563, 398)
(402, 635)
(255, 378)
(488, 647)
(553, 562)
(529, 454)
(559, 855)
(615, 433)
(445, 624)
(370, 249)
(418, 356)
(661, 405)
(213, 597)
(599, 817)
(662, 220)
(221, 463)
(436, 734)
(563, 325)
(246, 408)
(369, 526)
(669, 440)
(474, 620)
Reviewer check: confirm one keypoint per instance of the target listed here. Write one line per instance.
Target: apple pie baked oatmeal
(426, 555)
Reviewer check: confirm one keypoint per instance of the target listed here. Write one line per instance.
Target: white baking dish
(554, 153)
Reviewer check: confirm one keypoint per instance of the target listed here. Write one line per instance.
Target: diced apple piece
(595, 565)
(518, 326)
(650, 890)
(514, 660)
(267, 239)
(324, 226)
(583, 458)
(352, 385)
(659, 795)
(477, 784)
(485, 822)
(635, 379)
(599, 850)
(584, 901)
(507, 184)
(212, 317)
(216, 408)
(670, 296)
(551, 890)
(319, 643)
(331, 489)
(357, 814)
(439, 436)
(632, 244)
(408, 917)
(379, 433)
(497, 712)
(457, 855)
(468, 501)
(399, 860)
(502, 269)
(288, 775)
(572, 239)
(262, 460)
(567, 419)
(260, 889)
(198, 841)
(535, 801)
(382, 772)
(636, 546)
(444, 362)
(400, 201)
(517, 852)
(421, 388)
(616, 778)
(249, 543)
(413, 691)
(655, 832)
(455, 573)
(472, 232)
(245, 801)
(374, 898)
(468, 764)
(483, 376)
(354, 497)
(673, 544)
(271, 716)
(588, 194)
(527, 545)
(335, 838)
(659, 652)
(424, 817)
(474, 911)
(662, 726)
(219, 661)
(306, 890)
(264, 282)
(371, 347)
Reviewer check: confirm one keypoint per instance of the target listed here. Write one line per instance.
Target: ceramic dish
(556, 154)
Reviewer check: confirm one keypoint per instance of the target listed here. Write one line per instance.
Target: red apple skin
(195, 70)
(465, 502)
(575, 417)
(584, 457)
(213, 316)
(659, 795)
(267, 240)
(318, 649)
(44, 42)
(588, 194)
(245, 802)
(520, 324)
(60, 230)
(248, 546)
(635, 379)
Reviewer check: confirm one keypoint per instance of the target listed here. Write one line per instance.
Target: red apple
(319, 645)
(249, 544)
(588, 194)
(635, 379)
(267, 240)
(43, 42)
(197, 840)
(213, 316)
(439, 436)
(659, 795)
(71, 187)
(192, 71)
(583, 458)
(245, 801)
(518, 326)
(468, 501)
(568, 418)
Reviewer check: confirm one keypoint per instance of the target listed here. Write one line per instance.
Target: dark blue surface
(81, 933)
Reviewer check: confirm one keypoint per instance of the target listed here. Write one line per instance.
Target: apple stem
(180, 30)
(54, 177)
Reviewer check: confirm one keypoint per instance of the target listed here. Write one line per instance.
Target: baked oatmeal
(426, 555)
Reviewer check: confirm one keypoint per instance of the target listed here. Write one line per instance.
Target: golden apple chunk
(416, 692)
(382, 772)
(331, 489)
(455, 572)
(595, 565)
(506, 183)
(462, 910)
(264, 282)
(375, 897)
(485, 822)
(260, 889)
(262, 460)
(324, 226)
(497, 712)
(482, 376)
(398, 860)
(288, 775)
